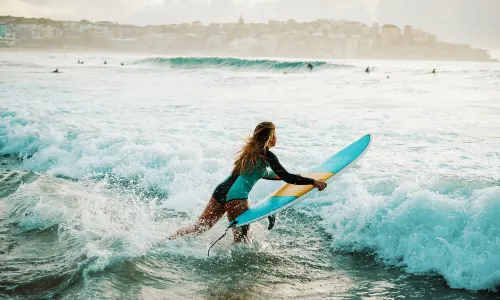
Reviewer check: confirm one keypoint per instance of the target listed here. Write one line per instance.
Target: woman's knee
(240, 233)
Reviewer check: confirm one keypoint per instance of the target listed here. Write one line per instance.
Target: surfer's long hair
(256, 147)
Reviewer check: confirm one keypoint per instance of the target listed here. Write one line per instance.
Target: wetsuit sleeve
(283, 174)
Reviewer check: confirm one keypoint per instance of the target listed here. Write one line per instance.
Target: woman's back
(246, 180)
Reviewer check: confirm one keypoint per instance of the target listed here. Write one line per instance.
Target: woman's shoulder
(270, 155)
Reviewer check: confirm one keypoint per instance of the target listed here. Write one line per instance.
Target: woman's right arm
(279, 170)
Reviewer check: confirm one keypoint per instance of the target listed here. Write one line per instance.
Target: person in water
(105, 62)
(310, 67)
(367, 69)
(433, 71)
(255, 161)
(55, 71)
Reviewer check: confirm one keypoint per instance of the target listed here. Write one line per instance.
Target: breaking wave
(237, 63)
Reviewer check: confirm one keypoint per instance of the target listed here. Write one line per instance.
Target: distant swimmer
(388, 76)
(285, 73)
(79, 62)
(122, 64)
(105, 62)
(434, 71)
(367, 69)
(310, 67)
(56, 71)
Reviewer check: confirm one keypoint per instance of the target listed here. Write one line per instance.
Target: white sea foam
(425, 197)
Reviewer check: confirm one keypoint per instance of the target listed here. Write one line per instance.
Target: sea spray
(421, 230)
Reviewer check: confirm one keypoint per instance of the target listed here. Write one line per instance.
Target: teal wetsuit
(237, 187)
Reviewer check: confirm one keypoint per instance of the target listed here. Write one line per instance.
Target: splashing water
(100, 163)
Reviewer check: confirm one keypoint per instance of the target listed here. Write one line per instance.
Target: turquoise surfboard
(290, 194)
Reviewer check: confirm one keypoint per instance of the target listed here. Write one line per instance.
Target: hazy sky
(468, 21)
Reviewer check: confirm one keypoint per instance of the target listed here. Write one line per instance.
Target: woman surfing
(254, 161)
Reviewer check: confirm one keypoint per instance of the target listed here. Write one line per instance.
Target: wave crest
(453, 234)
(236, 63)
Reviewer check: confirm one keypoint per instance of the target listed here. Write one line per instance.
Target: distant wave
(238, 63)
(18, 64)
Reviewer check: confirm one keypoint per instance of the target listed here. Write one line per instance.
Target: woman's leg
(234, 208)
(211, 215)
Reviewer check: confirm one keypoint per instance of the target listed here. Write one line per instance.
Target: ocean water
(101, 162)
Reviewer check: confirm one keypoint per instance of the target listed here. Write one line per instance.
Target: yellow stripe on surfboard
(299, 190)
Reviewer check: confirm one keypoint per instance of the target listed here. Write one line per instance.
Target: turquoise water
(101, 162)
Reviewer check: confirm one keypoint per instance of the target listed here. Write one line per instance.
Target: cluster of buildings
(321, 38)
(29, 32)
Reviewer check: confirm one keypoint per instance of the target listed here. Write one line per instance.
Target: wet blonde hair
(255, 147)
